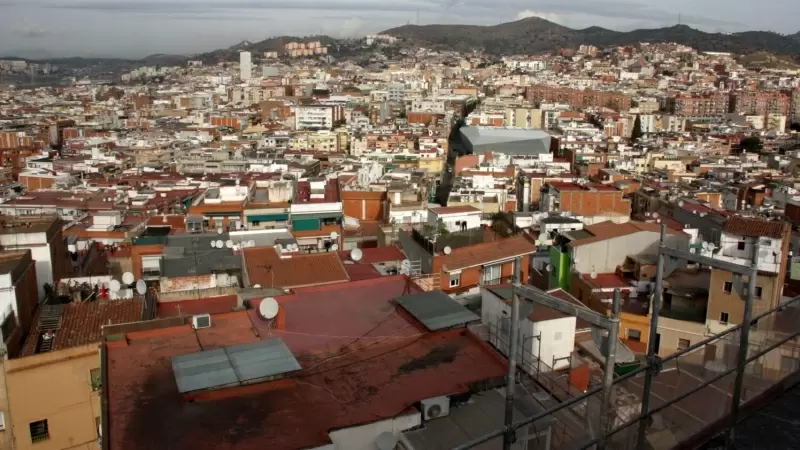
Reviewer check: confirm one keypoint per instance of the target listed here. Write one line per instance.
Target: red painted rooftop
(383, 363)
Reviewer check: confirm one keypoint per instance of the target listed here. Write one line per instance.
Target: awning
(316, 216)
(305, 224)
(267, 218)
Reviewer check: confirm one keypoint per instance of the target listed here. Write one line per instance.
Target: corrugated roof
(436, 310)
(238, 364)
(610, 230)
(746, 226)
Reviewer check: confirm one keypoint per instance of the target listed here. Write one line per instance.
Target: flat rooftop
(362, 360)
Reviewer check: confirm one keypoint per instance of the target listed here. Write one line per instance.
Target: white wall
(769, 251)
(473, 220)
(363, 437)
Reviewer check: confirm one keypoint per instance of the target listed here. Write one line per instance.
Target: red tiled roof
(81, 323)
(207, 305)
(298, 271)
(746, 226)
(478, 254)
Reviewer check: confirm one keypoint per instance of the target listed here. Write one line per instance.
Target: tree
(751, 144)
(637, 133)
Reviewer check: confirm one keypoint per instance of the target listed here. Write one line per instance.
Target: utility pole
(510, 435)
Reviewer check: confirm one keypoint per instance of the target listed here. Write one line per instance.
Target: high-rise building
(245, 66)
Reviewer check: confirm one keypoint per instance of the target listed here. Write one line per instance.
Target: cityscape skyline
(47, 28)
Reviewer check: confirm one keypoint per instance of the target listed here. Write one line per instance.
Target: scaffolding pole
(744, 344)
(652, 358)
(510, 434)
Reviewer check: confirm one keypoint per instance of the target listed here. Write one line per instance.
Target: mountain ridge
(537, 35)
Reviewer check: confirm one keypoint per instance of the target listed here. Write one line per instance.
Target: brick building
(584, 200)
(698, 106)
(578, 98)
(760, 103)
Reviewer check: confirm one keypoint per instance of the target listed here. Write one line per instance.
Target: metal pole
(608, 374)
(744, 341)
(510, 435)
(651, 342)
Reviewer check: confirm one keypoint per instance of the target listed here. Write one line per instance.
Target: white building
(245, 66)
(455, 218)
(317, 117)
(546, 335)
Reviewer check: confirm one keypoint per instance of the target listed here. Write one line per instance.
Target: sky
(136, 28)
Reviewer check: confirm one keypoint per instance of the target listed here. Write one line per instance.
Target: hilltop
(536, 35)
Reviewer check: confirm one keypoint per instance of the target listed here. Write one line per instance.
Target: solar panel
(238, 364)
(436, 310)
(203, 370)
(262, 359)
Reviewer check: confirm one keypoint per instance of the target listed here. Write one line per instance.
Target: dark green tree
(751, 144)
(637, 133)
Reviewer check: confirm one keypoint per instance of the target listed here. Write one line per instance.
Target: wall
(471, 276)
(363, 437)
(720, 301)
(57, 387)
(606, 255)
(670, 330)
(188, 283)
(365, 205)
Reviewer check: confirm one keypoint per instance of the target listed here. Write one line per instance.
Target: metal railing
(683, 399)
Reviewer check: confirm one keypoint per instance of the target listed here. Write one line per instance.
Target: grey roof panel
(436, 310)
(203, 370)
(262, 359)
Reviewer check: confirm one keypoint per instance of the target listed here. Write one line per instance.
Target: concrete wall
(363, 437)
(57, 387)
(606, 255)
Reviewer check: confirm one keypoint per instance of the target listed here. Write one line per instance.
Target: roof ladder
(49, 320)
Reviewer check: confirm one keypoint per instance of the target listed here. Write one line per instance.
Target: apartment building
(698, 107)
(578, 98)
(318, 117)
(760, 103)
(592, 199)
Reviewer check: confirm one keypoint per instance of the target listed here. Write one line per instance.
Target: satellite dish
(128, 278)
(214, 244)
(219, 230)
(251, 243)
(141, 287)
(114, 286)
(220, 244)
(278, 247)
(256, 286)
(229, 244)
(268, 308)
(548, 267)
(705, 245)
(334, 235)
(593, 273)
(655, 215)
(334, 247)
(356, 254)
(448, 250)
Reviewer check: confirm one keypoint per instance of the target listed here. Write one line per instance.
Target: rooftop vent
(201, 321)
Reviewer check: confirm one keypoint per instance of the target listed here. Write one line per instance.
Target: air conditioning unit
(435, 407)
(201, 321)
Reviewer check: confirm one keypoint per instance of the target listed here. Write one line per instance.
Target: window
(728, 287)
(455, 279)
(97, 425)
(754, 324)
(740, 245)
(95, 380)
(635, 335)
(683, 344)
(788, 364)
(723, 318)
(39, 430)
(758, 291)
(8, 326)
